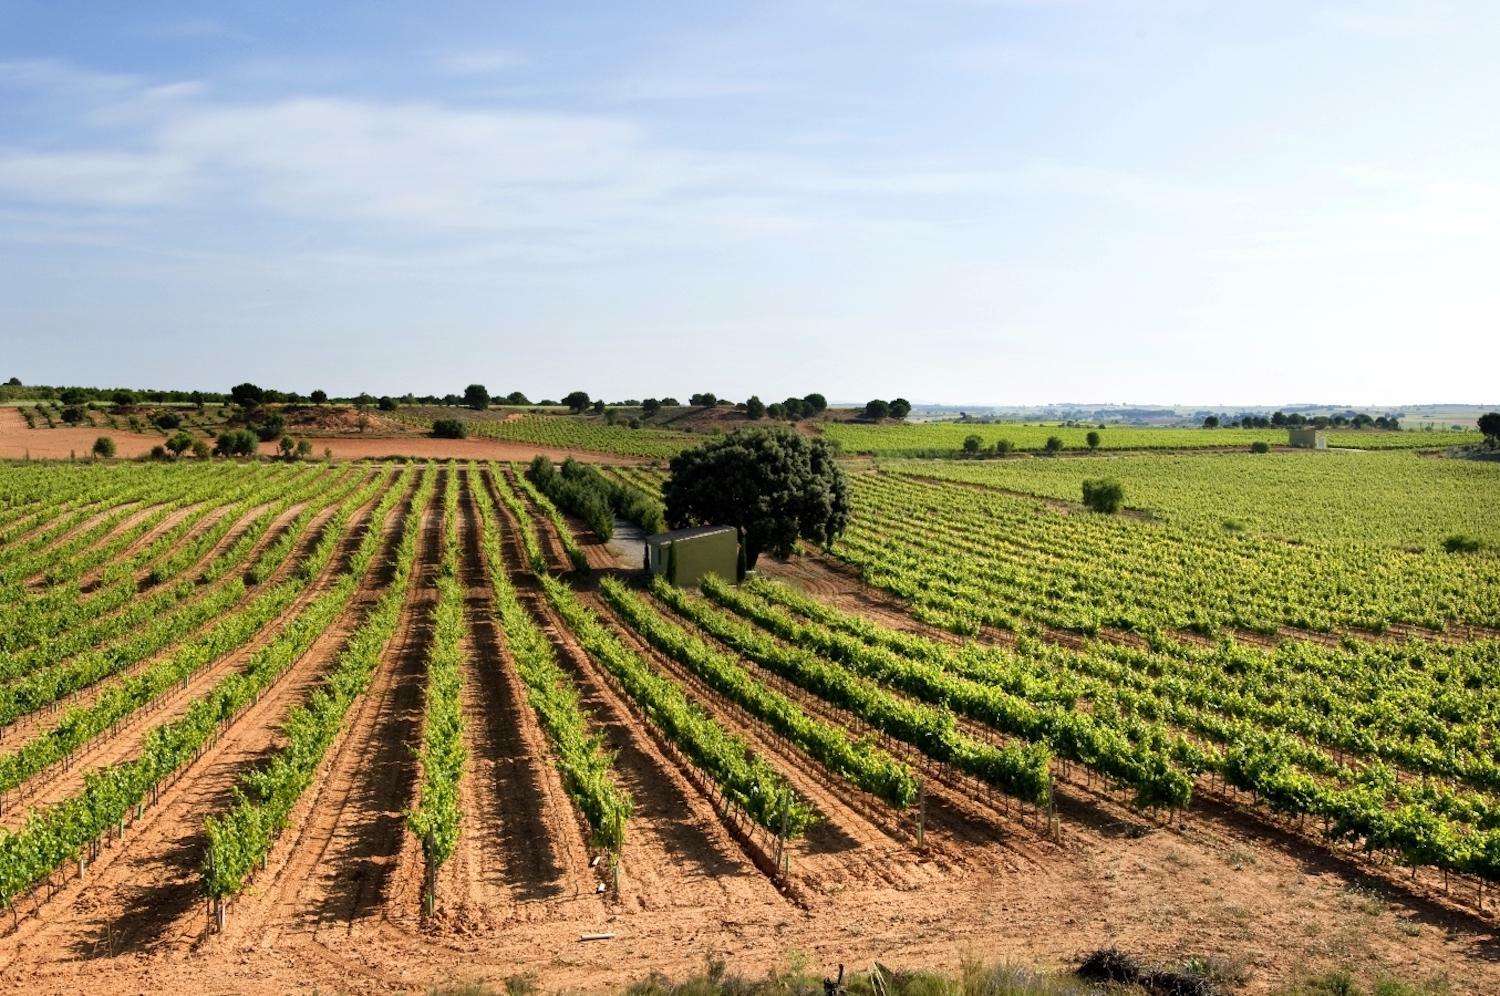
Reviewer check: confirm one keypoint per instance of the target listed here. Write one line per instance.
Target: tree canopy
(1489, 424)
(247, 395)
(774, 484)
(477, 397)
(576, 401)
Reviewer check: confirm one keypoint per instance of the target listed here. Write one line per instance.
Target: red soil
(18, 442)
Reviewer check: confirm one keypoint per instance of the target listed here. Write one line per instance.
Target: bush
(1092, 439)
(1054, 444)
(104, 447)
(448, 428)
(1103, 495)
(1459, 543)
(387, 404)
(1260, 446)
(271, 426)
(972, 444)
(166, 421)
(180, 443)
(1003, 447)
(201, 449)
(237, 442)
(72, 414)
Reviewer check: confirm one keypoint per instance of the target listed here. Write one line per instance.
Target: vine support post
(429, 880)
(922, 815)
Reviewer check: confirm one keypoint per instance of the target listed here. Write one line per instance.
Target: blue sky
(958, 200)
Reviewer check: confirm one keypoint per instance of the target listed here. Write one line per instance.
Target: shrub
(166, 421)
(237, 442)
(1003, 447)
(1092, 439)
(387, 403)
(72, 414)
(271, 426)
(583, 491)
(159, 452)
(201, 449)
(1054, 444)
(104, 447)
(476, 396)
(448, 428)
(1458, 543)
(972, 444)
(1103, 495)
(179, 443)
(1260, 446)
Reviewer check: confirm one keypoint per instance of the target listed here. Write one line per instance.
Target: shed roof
(677, 534)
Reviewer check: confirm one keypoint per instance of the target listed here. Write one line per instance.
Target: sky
(1005, 202)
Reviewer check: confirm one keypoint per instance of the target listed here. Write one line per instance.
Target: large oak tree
(774, 484)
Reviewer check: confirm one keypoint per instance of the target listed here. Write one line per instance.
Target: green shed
(700, 551)
(1307, 439)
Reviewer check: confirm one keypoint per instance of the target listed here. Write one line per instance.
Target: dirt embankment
(18, 442)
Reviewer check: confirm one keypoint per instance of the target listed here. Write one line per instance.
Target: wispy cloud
(200, 27)
(479, 62)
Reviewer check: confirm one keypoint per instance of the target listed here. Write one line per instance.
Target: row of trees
(897, 408)
(790, 410)
(1357, 421)
(231, 443)
(974, 445)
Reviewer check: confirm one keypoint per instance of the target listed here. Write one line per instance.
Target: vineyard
(563, 432)
(947, 438)
(1394, 499)
(283, 709)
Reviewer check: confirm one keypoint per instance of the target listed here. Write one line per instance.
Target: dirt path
(38, 582)
(203, 518)
(857, 839)
(678, 851)
(102, 510)
(521, 846)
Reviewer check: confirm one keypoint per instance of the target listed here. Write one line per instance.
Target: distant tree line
(1358, 420)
